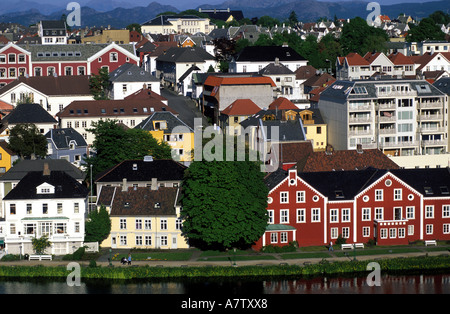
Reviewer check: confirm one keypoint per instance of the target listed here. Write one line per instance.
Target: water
(410, 284)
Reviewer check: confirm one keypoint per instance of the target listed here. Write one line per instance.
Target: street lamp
(110, 263)
(90, 200)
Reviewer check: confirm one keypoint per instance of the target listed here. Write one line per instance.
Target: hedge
(397, 265)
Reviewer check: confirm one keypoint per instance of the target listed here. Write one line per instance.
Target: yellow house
(143, 218)
(315, 128)
(119, 36)
(7, 157)
(231, 117)
(165, 126)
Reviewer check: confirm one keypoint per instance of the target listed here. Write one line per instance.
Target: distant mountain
(118, 13)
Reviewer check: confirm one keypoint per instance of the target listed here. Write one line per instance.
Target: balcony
(388, 106)
(430, 117)
(400, 144)
(387, 119)
(434, 142)
(362, 119)
(388, 131)
(359, 108)
(359, 132)
(432, 130)
(430, 104)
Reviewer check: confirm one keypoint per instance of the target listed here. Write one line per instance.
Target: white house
(45, 203)
(52, 93)
(128, 79)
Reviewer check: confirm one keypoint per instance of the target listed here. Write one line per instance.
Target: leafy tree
(426, 30)
(293, 20)
(358, 36)
(440, 17)
(134, 26)
(39, 245)
(98, 225)
(267, 21)
(99, 84)
(134, 144)
(26, 140)
(224, 204)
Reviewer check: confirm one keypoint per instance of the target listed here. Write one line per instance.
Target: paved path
(195, 262)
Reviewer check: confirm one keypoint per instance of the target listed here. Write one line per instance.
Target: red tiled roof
(370, 57)
(354, 58)
(305, 72)
(282, 103)
(145, 94)
(250, 80)
(400, 59)
(347, 160)
(241, 107)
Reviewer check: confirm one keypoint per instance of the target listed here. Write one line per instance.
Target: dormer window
(45, 188)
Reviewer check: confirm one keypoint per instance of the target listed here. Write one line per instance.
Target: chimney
(359, 148)
(124, 185)
(329, 149)
(154, 184)
(46, 171)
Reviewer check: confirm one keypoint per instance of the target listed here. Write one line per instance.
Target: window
(334, 215)
(12, 209)
(50, 71)
(401, 232)
(284, 197)
(147, 224)
(12, 72)
(378, 213)
(164, 241)
(300, 196)
(274, 237)
(68, 71)
(378, 195)
(148, 240)
(346, 215)
(61, 227)
(392, 233)
(366, 214)
(383, 233)
(29, 209)
(445, 211)
(138, 240)
(76, 208)
(12, 228)
(366, 232)
(81, 71)
(113, 57)
(315, 214)
(2, 59)
(334, 233)
(59, 208)
(284, 216)
(178, 224)
(410, 212)
(270, 216)
(11, 58)
(429, 229)
(346, 232)
(29, 229)
(123, 224)
(429, 211)
(319, 130)
(163, 224)
(446, 228)
(283, 237)
(77, 227)
(44, 209)
(123, 240)
(138, 224)
(301, 215)
(37, 71)
(397, 194)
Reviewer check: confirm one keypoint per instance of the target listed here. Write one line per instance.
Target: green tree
(440, 17)
(293, 20)
(98, 225)
(426, 30)
(134, 144)
(224, 204)
(358, 36)
(267, 21)
(26, 140)
(99, 84)
(134, 26)
(39, 245)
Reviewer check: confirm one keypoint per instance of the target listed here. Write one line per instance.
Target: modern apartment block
(400, 117)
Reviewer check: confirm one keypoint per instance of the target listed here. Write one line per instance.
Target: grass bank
(395, 265)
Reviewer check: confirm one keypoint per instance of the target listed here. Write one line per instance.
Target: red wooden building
(61, 60)
(391, 207)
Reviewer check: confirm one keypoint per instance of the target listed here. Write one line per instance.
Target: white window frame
(315, 214)
(301, 215)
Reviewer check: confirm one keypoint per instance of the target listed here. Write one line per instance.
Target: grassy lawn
(232, 258)
(305, 255)
(150, 255)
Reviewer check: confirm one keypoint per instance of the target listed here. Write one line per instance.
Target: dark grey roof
(164, 19)
(65, 187)
(180, 54)
(129, 72)
(189, 71)
(291, 130)
(268, 54)
(68, 52)
(53, 24)
(348, 89)
(141, 170)
(430, 182)
(29, 113)
(274, 178)
(443, 84)
(62, 138)
(19, 170)
(171, 120)
(276, 69)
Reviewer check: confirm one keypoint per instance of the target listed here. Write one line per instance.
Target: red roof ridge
(241, 107)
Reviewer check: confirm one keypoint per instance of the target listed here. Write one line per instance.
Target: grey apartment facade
(398, 116)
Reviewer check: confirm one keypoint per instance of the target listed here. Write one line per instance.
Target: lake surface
(389, 284)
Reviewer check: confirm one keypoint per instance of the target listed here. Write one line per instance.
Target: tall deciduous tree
(26, 140)
(358, 36)
(99, 84)
(426, 30)
(114, 144)
(98, 225)
(224, 204)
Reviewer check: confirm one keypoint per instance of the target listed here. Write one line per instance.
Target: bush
(76, 256)
(92, 263)
(340, 240)
(291, 247)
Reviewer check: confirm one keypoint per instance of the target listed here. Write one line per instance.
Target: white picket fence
(91, 247)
